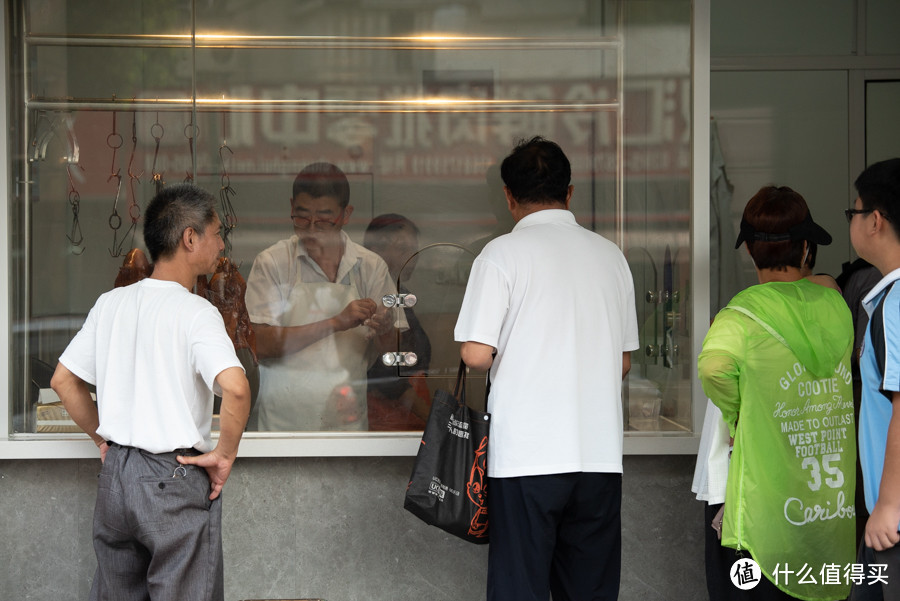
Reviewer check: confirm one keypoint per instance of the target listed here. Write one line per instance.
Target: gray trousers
(156, 533)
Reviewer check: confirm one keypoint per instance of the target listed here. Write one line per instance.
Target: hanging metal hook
(226, 192)
(134, 209)
(191, 132)
(75, 236)
(226, 180)
(131, 174)
(157, 131)
(42, 137)
(115, 221)
(114, 141)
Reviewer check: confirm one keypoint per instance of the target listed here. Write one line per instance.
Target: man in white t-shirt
(549, 308)
(157, 353)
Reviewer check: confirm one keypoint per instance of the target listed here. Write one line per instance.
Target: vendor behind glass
(312, 302)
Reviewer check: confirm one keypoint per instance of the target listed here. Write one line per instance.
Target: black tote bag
(448, 485)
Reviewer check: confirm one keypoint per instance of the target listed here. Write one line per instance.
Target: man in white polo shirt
(156, 353)
(549, 308)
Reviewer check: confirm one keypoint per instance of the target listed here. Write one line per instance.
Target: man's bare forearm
(234, 411)
(77, 400)
(278, 341)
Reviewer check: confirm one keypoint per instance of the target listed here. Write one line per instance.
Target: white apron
(322, 387)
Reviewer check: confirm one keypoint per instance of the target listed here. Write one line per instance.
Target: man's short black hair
(537, 172)
(171, 212)
(323, 179)
(389, 223)
(879, 188)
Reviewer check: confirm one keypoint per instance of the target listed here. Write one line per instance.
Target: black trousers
(882, 574)
(559, 534)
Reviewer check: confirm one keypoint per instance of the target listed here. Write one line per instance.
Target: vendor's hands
(881, 528)
(355, 314)
(381, 322)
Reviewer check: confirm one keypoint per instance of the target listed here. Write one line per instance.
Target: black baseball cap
(807, 230)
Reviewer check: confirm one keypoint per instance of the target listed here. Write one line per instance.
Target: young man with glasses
(875, 235)
(315, 303)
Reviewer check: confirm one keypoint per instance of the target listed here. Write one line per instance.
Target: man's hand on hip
(217, 466)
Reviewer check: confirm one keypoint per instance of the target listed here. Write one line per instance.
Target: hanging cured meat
(226, 291)
(134, 268)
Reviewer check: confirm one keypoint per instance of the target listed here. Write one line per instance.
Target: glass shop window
(406, 110)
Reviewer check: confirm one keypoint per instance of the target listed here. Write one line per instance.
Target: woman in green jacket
(776, 361)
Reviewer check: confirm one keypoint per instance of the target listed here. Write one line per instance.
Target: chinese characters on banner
(410, 145)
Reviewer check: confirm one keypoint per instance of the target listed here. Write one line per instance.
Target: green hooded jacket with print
(776, 361)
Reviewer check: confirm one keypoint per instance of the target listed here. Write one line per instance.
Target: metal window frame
(315, 444)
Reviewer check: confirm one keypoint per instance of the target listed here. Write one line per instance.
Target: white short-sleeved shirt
(153, 349)
(286, 263)
(557, 302)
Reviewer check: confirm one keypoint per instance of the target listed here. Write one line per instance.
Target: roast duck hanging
(134, 268)
(225, 290)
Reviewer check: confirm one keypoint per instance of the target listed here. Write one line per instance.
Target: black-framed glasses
(849, 213)
(321, 225)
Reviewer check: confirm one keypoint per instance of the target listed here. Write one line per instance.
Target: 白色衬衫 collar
(544, 216)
